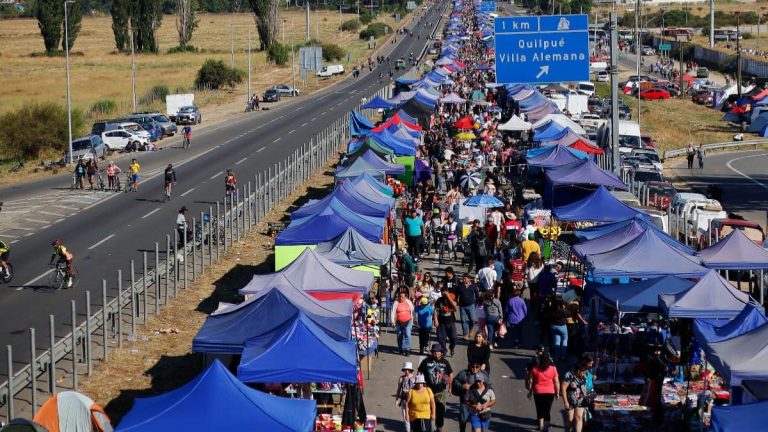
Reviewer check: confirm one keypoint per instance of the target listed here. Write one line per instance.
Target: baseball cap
(424, 300)
(530, 236)
(481, 376)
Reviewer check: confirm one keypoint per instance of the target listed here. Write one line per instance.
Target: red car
(648, 141)
(654, 94)
(660, 194)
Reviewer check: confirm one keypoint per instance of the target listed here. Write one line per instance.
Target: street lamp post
(738, 53)
(133, 67)
(69, 99)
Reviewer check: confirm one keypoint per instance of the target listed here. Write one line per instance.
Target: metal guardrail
(241, 214)
(716, 146)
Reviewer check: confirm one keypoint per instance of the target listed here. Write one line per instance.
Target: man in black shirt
(467, 294)
(438, 374)
(450, 280)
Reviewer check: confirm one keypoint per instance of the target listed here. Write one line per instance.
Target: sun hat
(420, 380)
(407, 366)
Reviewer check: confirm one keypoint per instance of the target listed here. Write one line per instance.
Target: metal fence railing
(717, 146)
(162, 274)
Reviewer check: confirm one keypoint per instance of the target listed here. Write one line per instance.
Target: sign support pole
(615, 94)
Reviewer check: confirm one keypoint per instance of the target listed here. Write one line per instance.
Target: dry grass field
(99, 72)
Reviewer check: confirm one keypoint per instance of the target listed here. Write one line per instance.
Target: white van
(598, 66)
(586, 87)
(331, 70)
(629, 136)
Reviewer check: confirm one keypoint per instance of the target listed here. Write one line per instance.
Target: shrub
(104, 106)
(376, 30)
(182, 49)
(36, 128)
(333, 52)
(214, 74)
(366, 18)
(747, 35)
(156, 93)
(352, 25)
(278, 54)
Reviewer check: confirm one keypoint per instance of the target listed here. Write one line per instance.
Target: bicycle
(58, 278)
(128, 182)
(186, 142)
(100, 181)
(168, 190)
(7, 275)
(116, 186)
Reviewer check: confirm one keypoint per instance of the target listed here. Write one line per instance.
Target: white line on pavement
(187, 192)
(241, 161)
(313, 118)
(34, 280)
(277, 139)
(216, 175)
(291, 131)
(259, 150)
(101, 241)
(37, 221)
(303, 124)
(151, 213)
(762, 185)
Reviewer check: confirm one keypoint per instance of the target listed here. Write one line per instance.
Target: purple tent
(421, 171)
(540, 113)
(622, 236)
(708, 331)
(712, 297)
(735, 252)
(554, 156)
(570, 137)
(583, 172)
(599, 206)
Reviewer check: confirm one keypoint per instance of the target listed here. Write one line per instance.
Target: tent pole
(760, 284)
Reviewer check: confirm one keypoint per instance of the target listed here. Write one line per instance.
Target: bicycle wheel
(75, 277)
(56, 279)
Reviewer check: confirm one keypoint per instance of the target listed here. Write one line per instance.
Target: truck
(720, 228)
(690, 215)
(629, 136)
(574, 102)
(173, 102)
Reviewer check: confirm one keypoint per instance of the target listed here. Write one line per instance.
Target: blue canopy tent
(358, 124)
(634, 260)
(579, 173)
(708, 331)
(601, 230)
(741, 358)
(407, 117)
(550, 131)
(622, 236)
(352, 249)
(298, 352)
(398, 145)
(226, 331)
(553, 156)
(366, 182)
(349, 197)
(735, 252)
(357, 147)
(379, 164)
(216, 400)
(377, 103)
(599, 206)
(739, 418)
(638, 297)
(712, 297)
(328, 224)
(402, 97)
(356, 168)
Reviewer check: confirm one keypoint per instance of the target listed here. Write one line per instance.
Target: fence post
(119, 308)
(9, 405)
(33, 369)
(194, 254)
(176, 263)
(144, 287)
(52, 367)
(249, 198)
(210, 235)
(184, 260)
(219, 237)
(104, 318)
(226, 243)
(202, 243)
(74, 345)
(167, 265)
(156, 278)
(134, 301)
(87, 345)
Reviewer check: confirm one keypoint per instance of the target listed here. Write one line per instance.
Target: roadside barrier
(717, 146)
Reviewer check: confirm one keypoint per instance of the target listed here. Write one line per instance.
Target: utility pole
(232, 45)
(738, 53)
(711, 23)
(293, 58)
(615, 93)
(249, 63)
(133, 65)
(341, 17)
(309, 35)
(638, 51)
(69, 98)
(317, 21)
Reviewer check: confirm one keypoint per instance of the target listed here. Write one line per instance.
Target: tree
(34, 128)
(144, 18)
(50, 15)
(121, 18)
(266, 21)
(186, 22)
(74, 18)
(214, 74)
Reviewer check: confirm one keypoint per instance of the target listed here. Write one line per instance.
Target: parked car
(120, 139)
(286, 90)
(651, 154)
(702, 72)
(169, 127)
(134, 128)
(189, 114)
(645, 175)
(673, 92)
(400, 63)
(271, 95)
(648, 51)
(660, 194)
(654, 94)
(603, 76)
(102, 126)
(720, 228)
(702, 97)
(87, 147)
(148, 123)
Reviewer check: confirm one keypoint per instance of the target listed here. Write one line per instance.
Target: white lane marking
(187, 192)
(241, 161)
(277, 139)
(762, 185)
(102, 241)
(259, 150)
(291, 131)
(44, 226)
(151, 213)
(46, 273)
(303, 124)
(313, 118)
(216, 175)
(38, 221)
(15, 241)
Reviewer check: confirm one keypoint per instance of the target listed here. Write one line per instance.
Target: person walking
(700, 156)
(467, 294)
(487, 275)
(420, 406)
(445, 319)
(479, 399)
(493, 317)
(402, 316)
(461, 384)
(479, 352)
(689, 154)
(574, 393)
(517, 311)
(414, 232)
(543, 384)
(438, 374)
(557, 313)
(425, 315)
(529, 246)
(533, 267)
(404, 385)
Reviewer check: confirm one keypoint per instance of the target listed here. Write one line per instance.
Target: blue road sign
(542, 49)
(488, 6)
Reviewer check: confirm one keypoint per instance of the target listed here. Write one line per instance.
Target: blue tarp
(407, 117)
(348, 194)
(377, 103)
(329, 224)
(550, 131)
(712, 297)
(638, 297)
(599, 206)
(398, 145)
(735, 252)
(227, 331)
(740, 418)
(646, 256)
(380, 164)
(358, 124)
(583, 172)
(708, 331)
(741, 358)
(421, 172)
(298, 352)
(553, 156)
(216, 401)
(352, 249)
(357, 168)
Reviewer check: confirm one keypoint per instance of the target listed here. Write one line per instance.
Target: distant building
(18, 4)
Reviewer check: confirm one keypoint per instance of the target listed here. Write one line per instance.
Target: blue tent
(554, 156)
(623, 234)
(377, 103)
(712, 297)
(352, 249)
(601, 230)
(583, 172)
(368, 182)
(298, 352)
(407, 117)
(358, 167)
(739, 418)
(329, 224)
(216, 401)
(358, 146)
(645, 256)
(398, 145)
(708, 331)
(735, 252)
(638, 297)
(764, 132)
(382, 165)
(358, 124)
(549, 132)
(599, 206)
(741, 358)
(226, 331)
(348, 195)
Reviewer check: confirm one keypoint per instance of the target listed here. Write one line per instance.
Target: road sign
(488, 6)
(665, 47)
(542, 49)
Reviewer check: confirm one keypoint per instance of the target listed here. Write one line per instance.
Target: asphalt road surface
(106, 234)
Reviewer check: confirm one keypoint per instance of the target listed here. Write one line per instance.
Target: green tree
(121, 17)
(214, 74)
(266, 12)
(147, 16)
(35, 128)
(50, 15)
(186, 22)
(74, 19)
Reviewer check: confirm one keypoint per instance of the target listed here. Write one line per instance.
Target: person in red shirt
(517, 270)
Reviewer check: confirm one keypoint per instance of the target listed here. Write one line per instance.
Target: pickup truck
(720, 228)
(690, 215)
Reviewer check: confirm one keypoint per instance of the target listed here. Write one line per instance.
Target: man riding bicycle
(170, 180)
(187, 131)
(230, 182)
(5, 253)
(60, 251)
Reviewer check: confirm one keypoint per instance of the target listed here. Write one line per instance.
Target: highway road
(106, 234)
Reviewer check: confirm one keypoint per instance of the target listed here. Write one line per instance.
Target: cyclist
(187, 131)
(112, 172)
(230, 183)
(60, 251)
(170, 180)
(5, 253)
(134, 167)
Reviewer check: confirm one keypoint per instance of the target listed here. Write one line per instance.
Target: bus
(725, 34)
(676, 32)
(597, 33)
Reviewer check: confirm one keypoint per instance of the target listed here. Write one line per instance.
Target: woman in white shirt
(533, 268)
(450, 230)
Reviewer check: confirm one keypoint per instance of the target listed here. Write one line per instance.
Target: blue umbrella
(483, 201)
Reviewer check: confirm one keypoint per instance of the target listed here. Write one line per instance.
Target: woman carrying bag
(420, 406)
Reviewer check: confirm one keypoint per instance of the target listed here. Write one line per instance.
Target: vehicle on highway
(690, 214)
(102, 126)
(638, 162)
(644, 175)
(660, 194)
(400, 63)
(629, 136)
(654, 94)
(122, 139)
(702, 72)
(169, 127)
(189, 114)
(286, 90)
(271, 95)
(648, 51)
(134, 128)
(720, 228)
(603, 76)
(87, 147)
(598, 66)
(331, 70)
(651, 154)
(148, 124)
